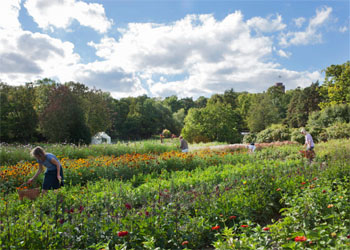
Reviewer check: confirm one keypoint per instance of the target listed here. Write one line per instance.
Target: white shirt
(309, 140)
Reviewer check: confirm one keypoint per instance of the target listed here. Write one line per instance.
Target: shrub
(338, 130)
(166, 133)
(296, 136)
(276, 132)
(248, 138)
(330, 115)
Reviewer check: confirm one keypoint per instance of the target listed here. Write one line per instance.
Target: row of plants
(125, 167)
(228, 206)
(12, 154)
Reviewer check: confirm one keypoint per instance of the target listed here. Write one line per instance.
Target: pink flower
(184, 243)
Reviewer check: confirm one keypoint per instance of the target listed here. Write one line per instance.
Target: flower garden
(272, 199)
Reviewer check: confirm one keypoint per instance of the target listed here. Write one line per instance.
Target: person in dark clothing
(183, 145)
(54, 172)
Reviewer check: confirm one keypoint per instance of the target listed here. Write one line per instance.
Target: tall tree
(215, 122)
(18, 117)
(336, 86)
(262, 113)
(63, 118)
(302, 104)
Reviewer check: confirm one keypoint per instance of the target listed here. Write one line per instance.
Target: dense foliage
(71, 112)
(272, 199)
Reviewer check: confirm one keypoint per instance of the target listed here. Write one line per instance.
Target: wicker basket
(30, 193)
(308, 154)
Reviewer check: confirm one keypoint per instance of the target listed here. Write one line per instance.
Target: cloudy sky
(188, 48)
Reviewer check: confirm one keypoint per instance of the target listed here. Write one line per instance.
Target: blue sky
(162, 48)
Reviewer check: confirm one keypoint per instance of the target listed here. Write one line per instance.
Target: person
(54, 171)
(183, 145)
(309, 143)
(251, 147)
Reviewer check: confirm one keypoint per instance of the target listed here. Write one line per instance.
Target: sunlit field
(273, 198)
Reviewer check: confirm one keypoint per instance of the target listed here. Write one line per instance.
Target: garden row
(228, 206)
(130, 166)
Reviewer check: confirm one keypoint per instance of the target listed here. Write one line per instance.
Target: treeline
(71, 112)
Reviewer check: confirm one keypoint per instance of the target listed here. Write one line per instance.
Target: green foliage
(296, 136)
(276, 132)
(249, 138)
(18, 120)
(215, 122)
(204, 207)
(326, 117)
(166, 133)
(336, 86)
(338, 130)
(262, 113)
(63, 119)
(302, 104)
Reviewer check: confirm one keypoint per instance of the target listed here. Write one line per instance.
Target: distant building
(281, 86)
(100, 138)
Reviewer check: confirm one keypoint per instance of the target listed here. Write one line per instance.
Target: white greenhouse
(100, 138)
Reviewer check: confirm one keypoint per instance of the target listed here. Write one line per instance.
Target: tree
(302, 104)
(63, 118)
(262, 113)
(215, 122)
(336, 86)
(18, 117)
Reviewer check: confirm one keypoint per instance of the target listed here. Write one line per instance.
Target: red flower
(128, 206)
(147, 213)
(266, 228)
(315, 179)
(244, 226)
(348, 236)
(184, 243)
(278, 189)
(233, 217)
(61, 221)
(215, 228)
(81, 209)
(122, 233)
(324, 191)
(300, 238)
(303, 183)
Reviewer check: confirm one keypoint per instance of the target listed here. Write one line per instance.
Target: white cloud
(196, 55)
(199, 55)
(61, 14)
(283, 53)
(299, 21)
(311, 35)
(266, 25)
(343, 29)
(9, 10)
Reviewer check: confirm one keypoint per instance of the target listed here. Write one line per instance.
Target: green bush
(276, 132)
(338, 130)
(296, 136)
(248, 138)
(329, 115)
(166, 133)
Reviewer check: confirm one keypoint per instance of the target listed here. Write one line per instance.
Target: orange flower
(184, 243)
(278, 189)
(330, 206)
(300, 238)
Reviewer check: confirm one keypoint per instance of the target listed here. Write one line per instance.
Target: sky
(187, 48)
